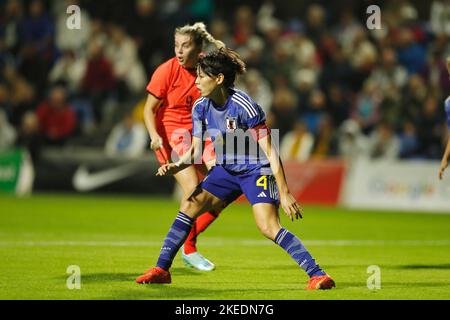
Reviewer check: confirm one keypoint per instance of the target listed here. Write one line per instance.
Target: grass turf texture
(114, 239)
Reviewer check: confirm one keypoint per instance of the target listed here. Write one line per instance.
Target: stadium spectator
(128, 138)
(383, 144)
(314, 110)
(255, 84)
(151, 45)
(57, 121)
(315, 23)
(305, 52)
(352, 143)
(363, 54)
(338, 104)
(29, 135)
(414, 97)
(439, 13)
(339, 70)
(325, 143)
(244, 25)
(409, 142)
(284, 108)
(411, 54)
(202, 10)
(435, 72)
(366, 108)
(220, 30)
(297, 144)
(37, 51)
(4, 100)
(21, 95)
(10, 20)
(71, 39)
(389, 73)
(98, 81)
(69, 70)
(121, 50)
(7, 132)
(432, 128)
(347, 30)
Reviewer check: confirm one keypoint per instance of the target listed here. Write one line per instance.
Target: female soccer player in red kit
(167, 114)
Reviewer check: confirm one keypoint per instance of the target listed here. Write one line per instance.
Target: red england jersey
(175, 86)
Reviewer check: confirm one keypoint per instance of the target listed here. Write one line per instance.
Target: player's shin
(175, 238)
(295, 248)
(200, 225)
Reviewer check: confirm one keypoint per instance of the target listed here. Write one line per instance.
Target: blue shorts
(228, 187)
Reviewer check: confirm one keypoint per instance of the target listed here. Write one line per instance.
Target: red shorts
(176, 143)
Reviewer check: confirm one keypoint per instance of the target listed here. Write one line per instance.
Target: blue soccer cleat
(197, 261)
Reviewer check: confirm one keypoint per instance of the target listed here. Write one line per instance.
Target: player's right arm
(157, 91)
(444, 162)
(151, 105)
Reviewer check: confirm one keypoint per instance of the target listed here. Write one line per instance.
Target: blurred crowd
(333, 87)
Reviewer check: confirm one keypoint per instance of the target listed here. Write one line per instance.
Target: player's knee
(189, 208)
(189, 189)
(192, 206)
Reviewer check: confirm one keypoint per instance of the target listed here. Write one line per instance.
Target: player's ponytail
(199, 34)
(223, 61)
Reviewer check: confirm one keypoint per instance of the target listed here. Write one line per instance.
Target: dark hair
(224, 61)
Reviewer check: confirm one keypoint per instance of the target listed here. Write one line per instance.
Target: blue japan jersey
(228, 127)
(447, 111)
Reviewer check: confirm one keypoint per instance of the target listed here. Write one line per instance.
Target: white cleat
(197, 261)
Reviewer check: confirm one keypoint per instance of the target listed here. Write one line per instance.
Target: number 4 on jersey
(262, 182)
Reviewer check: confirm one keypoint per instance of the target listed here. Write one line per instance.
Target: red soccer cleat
(320, 283)
(155, 275)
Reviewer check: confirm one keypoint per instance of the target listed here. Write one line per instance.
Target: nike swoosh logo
(84, 181)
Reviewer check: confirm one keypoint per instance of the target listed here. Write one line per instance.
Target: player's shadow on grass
(122, 276)
(393, 284)
(424, 266)
(164, 291)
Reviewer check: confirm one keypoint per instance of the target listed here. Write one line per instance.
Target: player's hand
(444, 165)
(156, 143)
(290, 206)
(167, 169)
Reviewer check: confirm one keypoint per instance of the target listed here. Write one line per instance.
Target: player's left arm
(288, 202)
(187, 159)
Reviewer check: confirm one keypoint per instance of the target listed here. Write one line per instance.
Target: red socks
(200, 224)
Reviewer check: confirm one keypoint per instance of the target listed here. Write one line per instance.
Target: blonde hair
(199, 34)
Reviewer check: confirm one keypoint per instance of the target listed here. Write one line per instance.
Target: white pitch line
(215, 242)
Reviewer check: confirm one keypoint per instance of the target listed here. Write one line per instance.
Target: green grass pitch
(114, 239)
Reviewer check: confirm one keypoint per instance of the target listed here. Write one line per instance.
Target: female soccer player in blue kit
(444, 162)
(225, 112)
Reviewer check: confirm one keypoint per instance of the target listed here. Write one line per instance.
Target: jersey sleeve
(255, 120)
(198, 119)
(159, 83)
